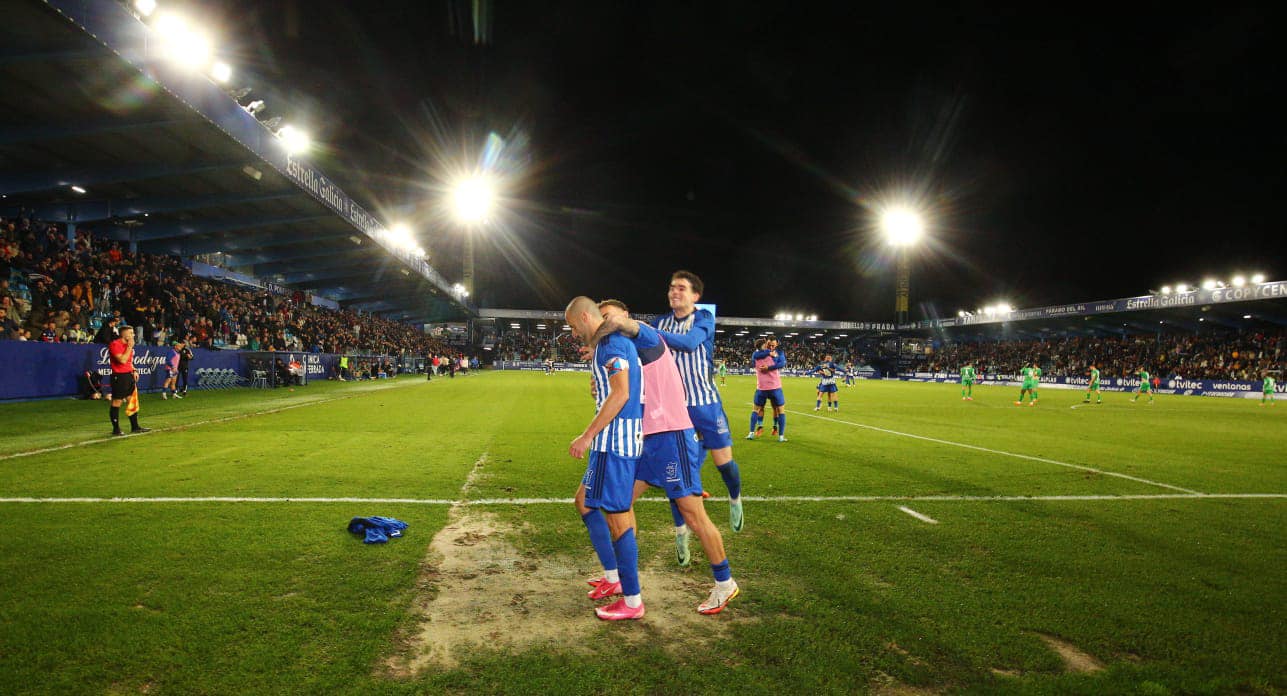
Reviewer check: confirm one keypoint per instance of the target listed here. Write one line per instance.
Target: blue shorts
(774, 395)
(827, 388)
(672, 461)
(711, 425)
(609, 482)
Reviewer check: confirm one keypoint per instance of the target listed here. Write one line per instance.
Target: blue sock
(836, 404)
(721, 571)
(754, 418)
(675, 515)
(600, 538)
(817, 404)
(732, 478)
(782, 424)
(627, 550)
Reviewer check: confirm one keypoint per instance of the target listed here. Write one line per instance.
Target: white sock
(634, 601)
(612, 575)
(725, 585)
(735, 501)
(681, 529)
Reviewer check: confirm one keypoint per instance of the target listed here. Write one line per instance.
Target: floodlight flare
(145, 7)
(902, 227)
(1258, 278)
(221, 72)
(1239, 281)
(1166, 289)
(1209, 284)
(473, 199)
(294, 140)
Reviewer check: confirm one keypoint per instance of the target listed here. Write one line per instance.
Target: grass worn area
(1169, 596)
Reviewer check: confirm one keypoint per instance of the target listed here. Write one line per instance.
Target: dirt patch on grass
(886, 685)
(477, 592)
(1075, 659)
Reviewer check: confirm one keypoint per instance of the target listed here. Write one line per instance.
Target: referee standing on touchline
(124, 379)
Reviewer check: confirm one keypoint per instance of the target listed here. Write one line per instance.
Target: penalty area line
(923, 518)
(653, 499)
(989, 450)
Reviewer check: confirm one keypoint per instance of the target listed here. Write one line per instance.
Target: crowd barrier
(34, 370)
(1175, 385)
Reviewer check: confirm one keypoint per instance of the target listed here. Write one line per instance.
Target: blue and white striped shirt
(623, 435)
(693, 341)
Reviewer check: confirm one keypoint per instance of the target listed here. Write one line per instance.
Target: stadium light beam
(1181, 288)
(1258, 278)
(1166, 289)
(1209, 284)
(145, 7)
(294, 140)
(221, 72)
(903, 227)
(1239, 281)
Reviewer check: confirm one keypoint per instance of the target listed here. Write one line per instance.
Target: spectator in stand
(50, 334)
(8, 327)
(107, 332)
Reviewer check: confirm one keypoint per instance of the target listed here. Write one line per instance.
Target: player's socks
(782, 425)
(721, 571)
(115, 415)
(134, 422)
(601, 540)
(627, 550)
(755, 421)
(612, 575)
(836, 404)
(732, 479)
(817, 404)
(676, 516)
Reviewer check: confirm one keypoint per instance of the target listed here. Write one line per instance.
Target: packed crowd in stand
(520, 345)
(50, 291)
(1210, 355)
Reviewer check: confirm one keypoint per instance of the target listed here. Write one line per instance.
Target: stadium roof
(169, 161)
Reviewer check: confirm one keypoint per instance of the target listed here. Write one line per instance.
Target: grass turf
(1178, 595)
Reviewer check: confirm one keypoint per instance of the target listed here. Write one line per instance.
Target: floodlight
(1004, 308)
(813, 317)
(221, 72)
(989, 310)
(145, 7)
(799, 317)
(473, 199)
(1258, 278)
(960, 312)
(419, 252)
(78, 189)
(902, 226)
(254, 107)
(294, 140)
(1166, 289)
(1246, 316)
(1181, 288)
(1239, 281)
(1209, 284)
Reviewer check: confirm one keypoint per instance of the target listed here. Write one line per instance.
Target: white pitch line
(1002, 452)
(110, 438)
(923, 518)
(653, 499)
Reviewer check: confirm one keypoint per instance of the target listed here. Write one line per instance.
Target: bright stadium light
(799, 317)
(294, 140)
(473, 199)
(1166, 289)
(221, 72)
(902, 226)
(184, 45)
(1246, 316)
(1181, 288)
(989, 310)
(960, 313)
(145, 7)
(78, 189)
(419, 252)
(813, 317)
(1209, 284)
(1239, 281)
(1258, 278)
(1004, 308)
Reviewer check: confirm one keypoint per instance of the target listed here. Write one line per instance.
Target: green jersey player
(967, 382)
(1030, 373)
(722, 370)
(1094, 386)
(1268, 390)
(1146, 387)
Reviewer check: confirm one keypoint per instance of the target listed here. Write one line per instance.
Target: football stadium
(461, 347)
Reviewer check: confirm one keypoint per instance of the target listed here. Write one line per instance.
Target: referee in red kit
(124, 378)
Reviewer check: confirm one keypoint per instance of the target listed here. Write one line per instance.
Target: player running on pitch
(1268, 390)
(967, 382)
(1094, 386)
(1146, 386)
(826, 372)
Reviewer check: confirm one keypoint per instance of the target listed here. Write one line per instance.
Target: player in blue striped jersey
(827, 372)
(614, 440)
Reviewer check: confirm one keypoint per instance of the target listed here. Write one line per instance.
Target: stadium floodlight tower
(903, 229)
(473, 201)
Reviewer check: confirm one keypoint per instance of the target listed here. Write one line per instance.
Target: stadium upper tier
(109, 133)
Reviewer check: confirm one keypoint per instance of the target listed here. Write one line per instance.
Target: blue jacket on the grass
(377, 529)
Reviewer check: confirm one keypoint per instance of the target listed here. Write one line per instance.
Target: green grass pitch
(1069, 551)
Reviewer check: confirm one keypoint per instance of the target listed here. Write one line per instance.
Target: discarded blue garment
(377, 529)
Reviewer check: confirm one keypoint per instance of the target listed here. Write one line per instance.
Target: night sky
(1079, 155)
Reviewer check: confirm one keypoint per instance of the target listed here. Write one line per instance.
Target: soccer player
(672, 453)
(849, 374)
(967, 382)
(1146, 387)
(1267, 390)
(549, 367)
(170, 386)
(124, 379)
(185, 360)
(826, 372)
(690, 333)
(1030, 373)
(723, 373)
(768, 361)
(614, 439)
(1094, 386)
